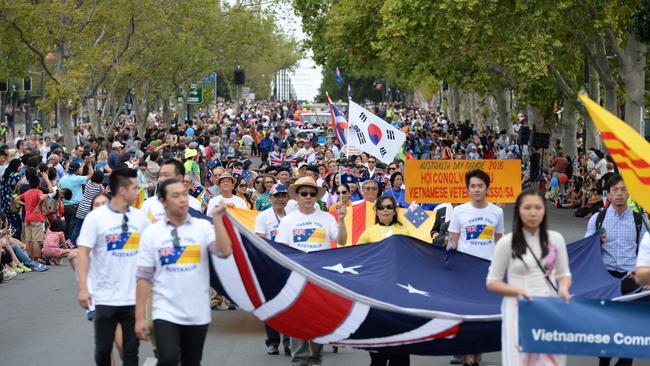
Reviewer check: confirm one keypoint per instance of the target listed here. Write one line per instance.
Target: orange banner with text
(439, 181)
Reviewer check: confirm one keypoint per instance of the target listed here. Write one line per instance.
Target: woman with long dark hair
(10, 179)
(536, 263)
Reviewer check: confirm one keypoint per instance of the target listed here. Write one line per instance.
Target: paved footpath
(41, 323)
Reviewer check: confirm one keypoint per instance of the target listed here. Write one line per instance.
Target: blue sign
(584, 327)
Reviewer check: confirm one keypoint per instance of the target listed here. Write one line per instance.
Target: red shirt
(33, 212)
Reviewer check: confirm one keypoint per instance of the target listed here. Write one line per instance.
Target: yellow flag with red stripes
(628, 148)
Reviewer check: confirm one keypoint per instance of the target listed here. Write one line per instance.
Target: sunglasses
(175, 239)
(343, 192)
(387, 207)
(243, 185)
(391, 168)
(258, 182)
(310, 194)
(125, 224)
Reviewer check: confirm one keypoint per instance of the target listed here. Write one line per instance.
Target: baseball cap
(117, 144)
(278, 188)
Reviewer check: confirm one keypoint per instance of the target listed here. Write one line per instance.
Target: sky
(307, 77)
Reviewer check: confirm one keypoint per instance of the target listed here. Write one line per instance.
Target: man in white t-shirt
(109, 240)
(173, 262)
(309, 229)
(266, 226)
(152, 206)
(226, 184)
(476, 226)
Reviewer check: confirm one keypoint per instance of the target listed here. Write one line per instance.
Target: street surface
(43, 324)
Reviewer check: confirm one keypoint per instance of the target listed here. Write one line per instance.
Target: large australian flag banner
(585, 327)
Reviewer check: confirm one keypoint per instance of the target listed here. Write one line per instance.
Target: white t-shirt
(266, 223)
(643, 258)
(216, 201)
(307, 232)
(113, 257)
(477, 227)
(181, 281)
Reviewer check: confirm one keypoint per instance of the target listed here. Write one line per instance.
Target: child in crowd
(54, 245)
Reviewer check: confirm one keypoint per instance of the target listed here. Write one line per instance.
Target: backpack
(638, 222)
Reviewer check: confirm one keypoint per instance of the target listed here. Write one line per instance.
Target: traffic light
(240, 77)
(27, 84)
(3, 86)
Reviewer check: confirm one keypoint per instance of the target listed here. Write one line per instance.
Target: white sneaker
(9, 273)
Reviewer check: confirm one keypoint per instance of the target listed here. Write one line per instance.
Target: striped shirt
(90, 191)
(620, 248)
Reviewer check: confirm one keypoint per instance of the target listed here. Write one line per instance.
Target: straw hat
(227, 175)
(306, 182)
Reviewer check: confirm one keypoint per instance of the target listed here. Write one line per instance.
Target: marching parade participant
(309, 229)
(108, 245)
(173, 264)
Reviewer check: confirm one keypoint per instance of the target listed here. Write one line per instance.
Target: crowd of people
(55, 204)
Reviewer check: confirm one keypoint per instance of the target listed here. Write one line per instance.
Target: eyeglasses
(125, 224)
(387, 207)
(310, 194)
(343, 192)
(175, 239)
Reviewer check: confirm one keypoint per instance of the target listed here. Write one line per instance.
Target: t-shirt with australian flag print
(477, 227)
(181, 281)
(307, 232)
(111, 273)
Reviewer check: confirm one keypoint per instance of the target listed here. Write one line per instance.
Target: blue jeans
(76, 230)
(22, 256)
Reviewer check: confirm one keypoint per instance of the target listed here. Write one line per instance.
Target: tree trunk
(502, 99)
(453, 104)
(601, 63)
(591, 137)
(493, 119)
(634, 78)
(65, 120)
(166, 113)
(569, 128)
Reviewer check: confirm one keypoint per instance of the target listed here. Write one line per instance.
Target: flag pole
(347, 141)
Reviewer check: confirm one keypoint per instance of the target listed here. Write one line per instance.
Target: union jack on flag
(167, 251)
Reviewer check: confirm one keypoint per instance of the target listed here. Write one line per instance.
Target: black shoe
(287, 351)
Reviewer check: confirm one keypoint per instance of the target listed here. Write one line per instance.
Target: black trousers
(176, 342)
(106, 319)
(389, 359)
(628, 285)
(70, 215)
(273, 337)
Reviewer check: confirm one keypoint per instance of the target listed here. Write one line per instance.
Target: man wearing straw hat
(309, 229)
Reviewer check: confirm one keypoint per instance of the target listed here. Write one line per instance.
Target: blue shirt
(620, 248)
(74, 183)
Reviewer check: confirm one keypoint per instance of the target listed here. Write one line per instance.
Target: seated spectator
(54, 243)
